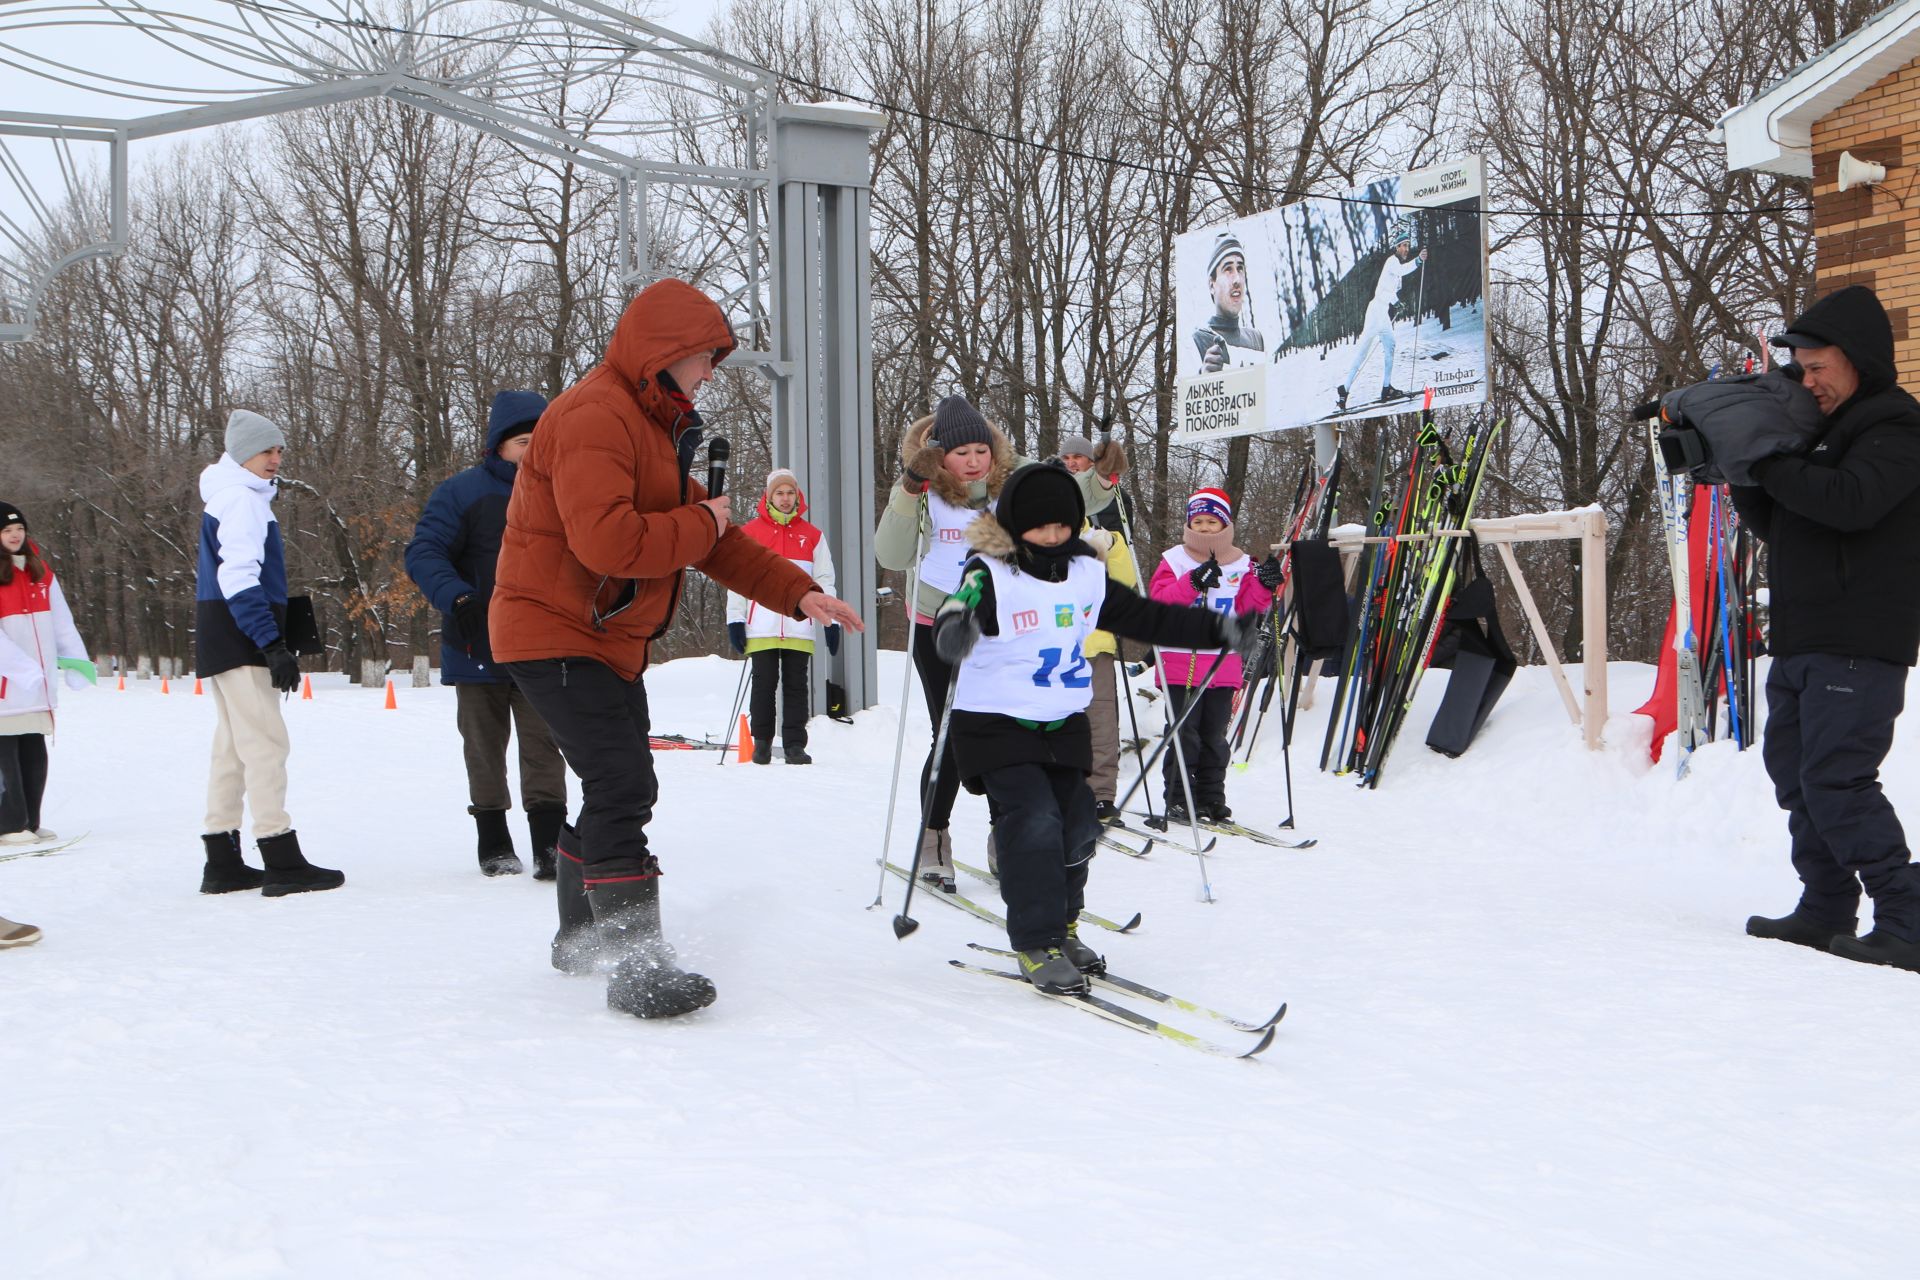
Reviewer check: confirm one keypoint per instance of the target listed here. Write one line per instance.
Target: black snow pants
(1203, 740)
(23, 780)
(1829, 726)
(1045, 834)
(781, 671)
(599, 722)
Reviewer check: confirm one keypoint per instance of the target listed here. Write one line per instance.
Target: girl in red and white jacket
(37, 641)
(1206, 571)
(781, 649)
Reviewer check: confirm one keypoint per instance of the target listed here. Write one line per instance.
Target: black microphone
(717, 452)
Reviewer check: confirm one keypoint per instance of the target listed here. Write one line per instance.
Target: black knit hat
(10, 514)
(955, 422)
(1040, 493)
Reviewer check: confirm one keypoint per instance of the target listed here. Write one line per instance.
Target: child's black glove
(1207, 576)
(1270, 572)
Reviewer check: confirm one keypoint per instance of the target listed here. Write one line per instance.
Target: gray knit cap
(955, 422)
(249, 433)
(1076, 447)
(1225, 245)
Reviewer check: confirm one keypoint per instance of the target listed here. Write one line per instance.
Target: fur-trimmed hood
(944, 482)
(988, 537)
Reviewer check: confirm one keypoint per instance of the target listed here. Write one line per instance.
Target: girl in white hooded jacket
(37, 641)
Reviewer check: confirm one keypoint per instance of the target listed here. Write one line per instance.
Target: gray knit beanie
(248, 433)
(955, 422)
(1076, 447)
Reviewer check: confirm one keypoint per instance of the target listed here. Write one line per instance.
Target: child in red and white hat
(1206, 571)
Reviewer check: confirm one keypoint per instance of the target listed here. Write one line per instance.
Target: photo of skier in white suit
(1401, 263)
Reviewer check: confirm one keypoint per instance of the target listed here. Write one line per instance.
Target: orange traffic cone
(306, 688)
(163, 685)
(196, 686)
(392, 703)
(745, 751)
(122, 686)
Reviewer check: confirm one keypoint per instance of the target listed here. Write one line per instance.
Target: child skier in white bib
(1028, 598)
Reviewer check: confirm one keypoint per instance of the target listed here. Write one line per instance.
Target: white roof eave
(1774, 132)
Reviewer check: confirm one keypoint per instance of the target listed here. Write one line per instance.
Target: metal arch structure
(802, 272)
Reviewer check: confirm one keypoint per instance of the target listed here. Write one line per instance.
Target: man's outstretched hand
(827, 611)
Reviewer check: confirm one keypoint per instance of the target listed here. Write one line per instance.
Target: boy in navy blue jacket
(451, 559)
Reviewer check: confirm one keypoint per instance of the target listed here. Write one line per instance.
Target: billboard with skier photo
(1334, 308)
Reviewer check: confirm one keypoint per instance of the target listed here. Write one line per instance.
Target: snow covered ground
(1452, 361)
(1527, 1036)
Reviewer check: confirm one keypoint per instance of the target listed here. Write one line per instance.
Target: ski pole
(1123, 497)
(900, 732)
(733, 717)
(904, 924)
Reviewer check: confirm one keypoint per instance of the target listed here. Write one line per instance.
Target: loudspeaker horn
(1859, 173)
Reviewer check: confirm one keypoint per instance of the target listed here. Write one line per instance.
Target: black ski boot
(1879, 947)
(288, 870)
(543, 831)
(1214, 812)
(1175, 816)
(795, 755)
(227, 871)
(1391, 392)
(1084, 957)
(762, 751)
(1105, 812)
(1049, 970)
(646, 983)
(1801, 929)
(576, 947)
(497, 857)
(1340, 397)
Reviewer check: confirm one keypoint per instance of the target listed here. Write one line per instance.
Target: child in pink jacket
(1206, 571)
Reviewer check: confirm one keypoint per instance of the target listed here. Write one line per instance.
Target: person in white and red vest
(779, 647)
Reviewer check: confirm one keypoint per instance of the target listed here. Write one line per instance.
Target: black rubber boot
(762, 751)
(576, 947)
(497, 857)
(646, 982)
(795, 755)
(1879, 947)
(543, 831)
(1800, 929)
(227, 871)
(288, 870)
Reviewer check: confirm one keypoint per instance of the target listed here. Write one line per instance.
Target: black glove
(1207, 576)
(1270, 573)
(1241, 632)
(833, 640)
(737, 636)
(470, 611)
(955, 631)
(282, 667)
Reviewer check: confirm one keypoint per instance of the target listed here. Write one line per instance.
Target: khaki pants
(489, 715)
(249, 754)
(1103, 719)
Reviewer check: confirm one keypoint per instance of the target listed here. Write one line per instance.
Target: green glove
(87, 671)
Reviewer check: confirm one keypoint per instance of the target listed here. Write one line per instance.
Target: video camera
(1716, 431)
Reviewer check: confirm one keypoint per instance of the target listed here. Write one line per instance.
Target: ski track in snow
(1527, 1035)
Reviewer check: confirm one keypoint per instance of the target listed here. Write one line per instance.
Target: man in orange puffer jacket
(605, 520)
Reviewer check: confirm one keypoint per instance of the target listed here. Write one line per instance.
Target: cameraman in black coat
(1842, 528)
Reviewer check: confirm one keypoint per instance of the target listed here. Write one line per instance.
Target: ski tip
(1130, 925)
(1258, 1049)
(904, 925)
(1274, 1021)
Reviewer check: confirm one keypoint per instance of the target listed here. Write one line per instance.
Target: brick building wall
(1866, 236)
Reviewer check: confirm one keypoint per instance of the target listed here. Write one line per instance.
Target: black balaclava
(1042, 493)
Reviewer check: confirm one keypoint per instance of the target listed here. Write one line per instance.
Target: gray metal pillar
(823, 381)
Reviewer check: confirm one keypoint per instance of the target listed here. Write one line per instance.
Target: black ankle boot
(576, 947)
(543, 830)
(288, 870)
(497, 857)
(227, 871)
(1801, 928)
(646, 983)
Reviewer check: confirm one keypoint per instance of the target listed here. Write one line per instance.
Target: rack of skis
(1704, 687)
(1377, 633)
